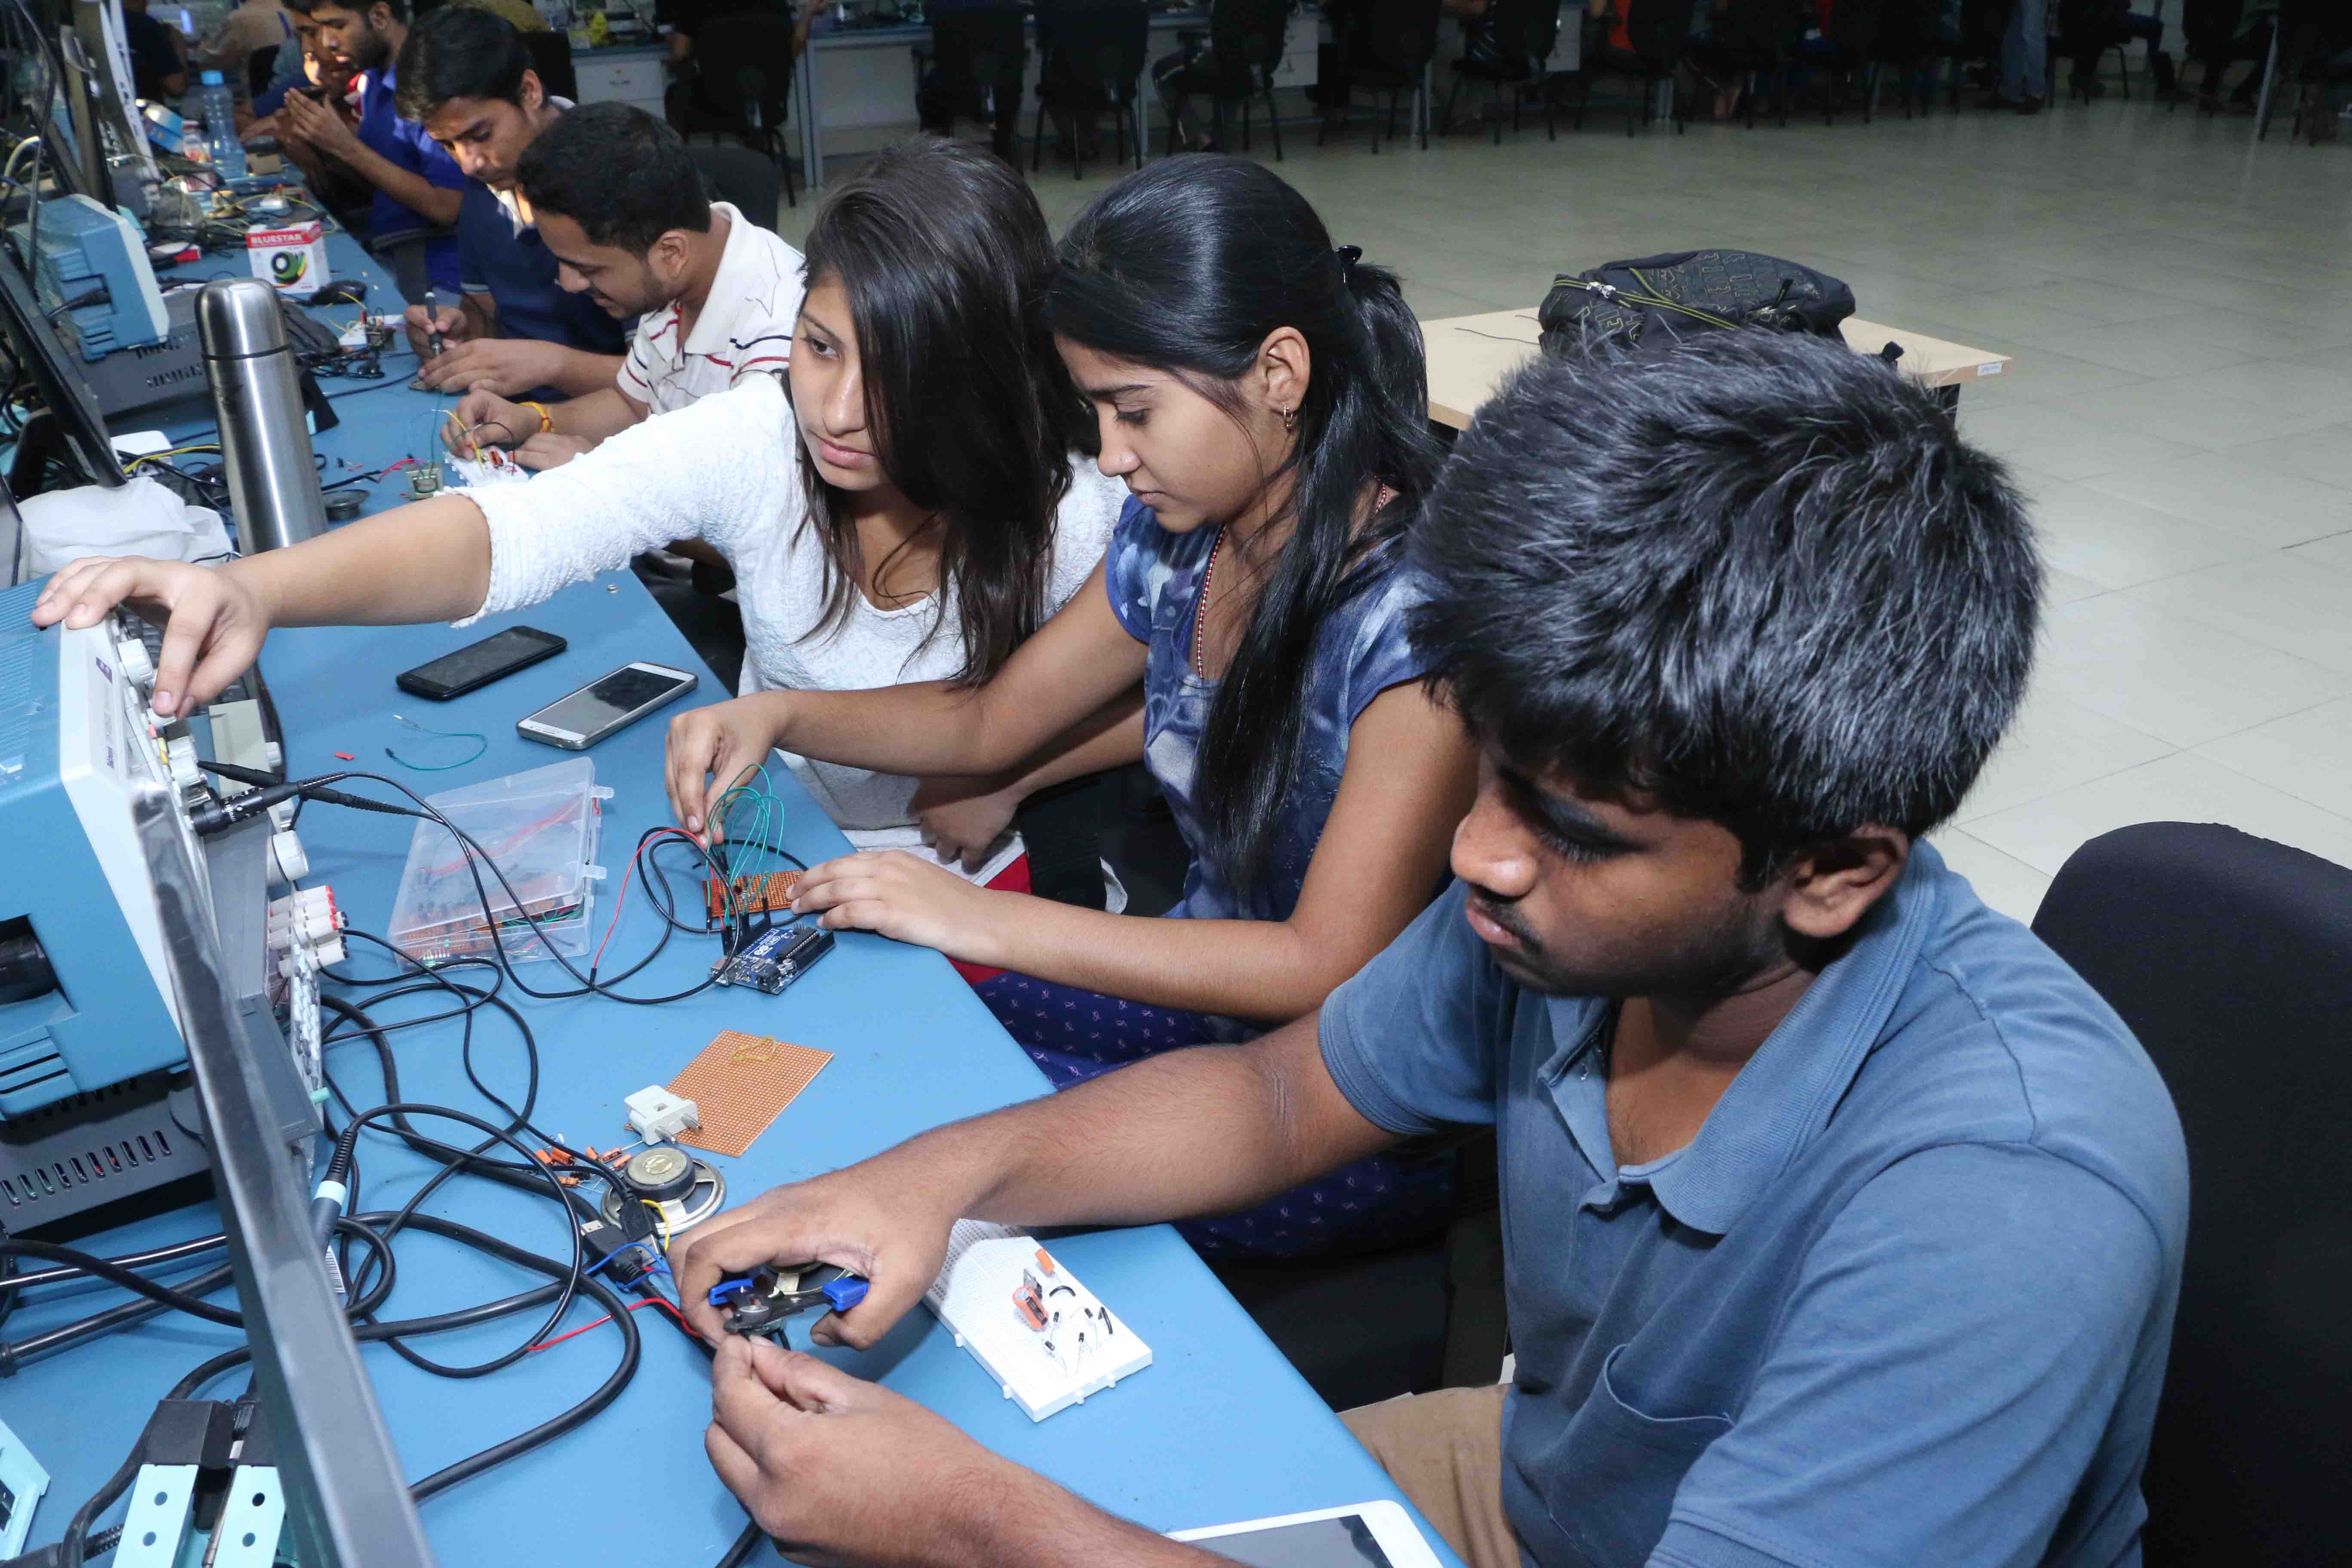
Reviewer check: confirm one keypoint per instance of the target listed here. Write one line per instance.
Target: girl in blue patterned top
(1263, 395)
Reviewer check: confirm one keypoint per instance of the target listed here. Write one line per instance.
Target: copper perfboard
(740, 1083)
(755, 894)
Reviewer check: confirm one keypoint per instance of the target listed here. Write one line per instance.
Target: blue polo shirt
(404, 142)
(1905, 1299)
(501, 256)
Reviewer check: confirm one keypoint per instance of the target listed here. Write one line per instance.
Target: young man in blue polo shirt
(1844, 1221)
(512, 330)
(417, 186)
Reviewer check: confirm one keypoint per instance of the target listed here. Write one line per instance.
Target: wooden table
(1469, 357)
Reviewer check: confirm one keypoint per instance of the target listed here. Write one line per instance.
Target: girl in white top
(861, 559)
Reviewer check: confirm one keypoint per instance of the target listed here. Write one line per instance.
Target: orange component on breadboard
(755, 894)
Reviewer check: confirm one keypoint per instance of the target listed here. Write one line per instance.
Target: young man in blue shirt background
(1844, 1221)
(512, 330)
(418, 186)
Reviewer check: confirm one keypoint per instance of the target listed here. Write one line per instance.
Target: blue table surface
(1220, 1427)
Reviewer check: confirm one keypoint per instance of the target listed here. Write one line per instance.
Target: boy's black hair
(617, 171)
(1758, 577)
(399, 8)
(458, 51)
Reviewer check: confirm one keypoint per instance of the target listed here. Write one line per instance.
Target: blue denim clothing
(1906, 1297)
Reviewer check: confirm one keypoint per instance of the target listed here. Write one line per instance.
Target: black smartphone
(475, 665)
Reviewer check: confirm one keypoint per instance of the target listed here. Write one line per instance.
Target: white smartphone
(1361, 1535)
(608, 703)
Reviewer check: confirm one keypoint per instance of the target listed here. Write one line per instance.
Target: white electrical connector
(305, 919)
(657, 1114)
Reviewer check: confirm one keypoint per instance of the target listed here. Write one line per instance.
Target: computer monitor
(71, 425)
(14, 549)
(347, 1503)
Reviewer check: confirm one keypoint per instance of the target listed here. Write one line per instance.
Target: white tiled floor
(2179, 301)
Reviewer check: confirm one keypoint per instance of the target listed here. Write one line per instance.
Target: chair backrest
(1249, 33)
(1658, 28)
(746, 64)
(1402, 35)
(261, 68)
(1094, 48)
(2231, 958)
(1906, 30)
(1765, 29)
(550, 61)
(978, 44)
(1854, 27)
(743, 178)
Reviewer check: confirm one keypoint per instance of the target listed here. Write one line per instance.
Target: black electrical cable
(498, 1454)
(745, 1544)
(562, 1201)
(154, 1257)
(477, 857)
(125, 1313)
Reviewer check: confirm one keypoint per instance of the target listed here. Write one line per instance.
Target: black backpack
(1660, 299)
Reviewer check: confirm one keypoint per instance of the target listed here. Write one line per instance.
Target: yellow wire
(663, 1216)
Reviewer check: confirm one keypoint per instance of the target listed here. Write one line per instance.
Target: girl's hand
(963, 828)
(904, 897)
(710, 750)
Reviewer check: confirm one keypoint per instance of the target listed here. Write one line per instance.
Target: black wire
(546, 1431)
(477, 857)
(745, 1544)
(362, 1303)
(562, 1201)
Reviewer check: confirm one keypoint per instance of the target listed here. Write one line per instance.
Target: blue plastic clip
(845, 1292)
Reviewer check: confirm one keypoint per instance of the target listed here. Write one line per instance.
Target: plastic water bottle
(220, 127)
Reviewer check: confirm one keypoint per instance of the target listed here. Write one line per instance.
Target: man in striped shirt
(715, 296)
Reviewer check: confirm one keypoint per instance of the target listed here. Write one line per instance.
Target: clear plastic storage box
(541, 828)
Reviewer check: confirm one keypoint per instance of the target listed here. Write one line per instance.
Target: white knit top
(726, 469)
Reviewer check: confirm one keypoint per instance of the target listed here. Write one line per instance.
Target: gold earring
(1290, 420)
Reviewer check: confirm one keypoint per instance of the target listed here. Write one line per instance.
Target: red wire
(614, 923)
(548, 1344)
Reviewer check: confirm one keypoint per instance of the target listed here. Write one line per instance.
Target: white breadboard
(471, 475)
(976, 1296)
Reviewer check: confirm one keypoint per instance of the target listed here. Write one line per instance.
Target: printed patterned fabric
(1153, 577)
(1075, 1035)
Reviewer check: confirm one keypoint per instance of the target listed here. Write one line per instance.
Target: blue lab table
(1218, 1428)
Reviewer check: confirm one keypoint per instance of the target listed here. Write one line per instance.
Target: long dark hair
(1187, 266)
(944, 252)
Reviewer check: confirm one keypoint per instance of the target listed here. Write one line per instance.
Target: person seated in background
(512, 328)
(418, 188)
(254, 26)
(327, 79)
(159, 64)
(716, 298)
(1845, 1220)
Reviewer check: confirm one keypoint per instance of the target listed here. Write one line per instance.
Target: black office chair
(1510, 47)
(1657, 29)
(1236, 63)
(1841, 55)
(550, 61)
(1748, 44)
(260, 69)
(972, 69)
(741, 178)
(1385, 47)
(1090, 61)
(1427, 1312)
(739, 84)
(2231, 958)
(1907, 42)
